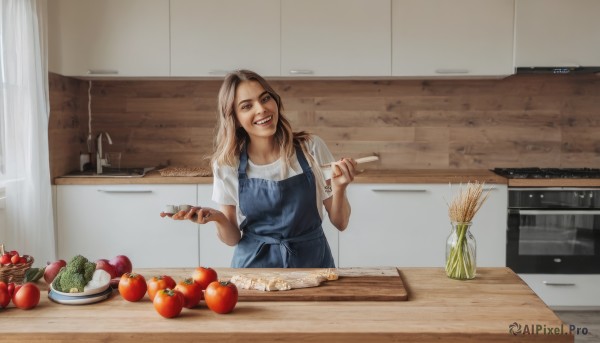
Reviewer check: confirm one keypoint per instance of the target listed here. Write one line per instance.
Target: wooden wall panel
(522, 120)
(64, 137)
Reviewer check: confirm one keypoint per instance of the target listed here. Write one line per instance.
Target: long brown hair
(231, 138)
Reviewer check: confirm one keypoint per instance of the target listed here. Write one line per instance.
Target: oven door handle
(557, 212)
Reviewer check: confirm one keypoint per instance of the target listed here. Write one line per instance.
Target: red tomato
(159, 282)
(204, 276)
(15, 259)
(221, 297)
(26, 296)
(192, 292)
(4, 296)
(5, 259)
(132, 287)
(168, 303)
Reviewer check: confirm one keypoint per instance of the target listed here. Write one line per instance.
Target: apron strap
(284, 243)
(305, 165)
(243, 164)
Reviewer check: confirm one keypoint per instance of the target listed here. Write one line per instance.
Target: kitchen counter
(438, 309)
(369, 176)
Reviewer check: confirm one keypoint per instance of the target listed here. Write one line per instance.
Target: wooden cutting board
(351, 286)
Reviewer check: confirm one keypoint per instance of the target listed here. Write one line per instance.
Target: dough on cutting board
(283, 281)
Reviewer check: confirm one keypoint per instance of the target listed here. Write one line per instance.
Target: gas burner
(548, 173)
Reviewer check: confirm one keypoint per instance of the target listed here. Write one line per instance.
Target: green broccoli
(88, 271)
(77, 264)
(78, 272)
(72, 282)
(56, 281)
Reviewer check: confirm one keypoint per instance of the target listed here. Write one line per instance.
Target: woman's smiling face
(256, 110)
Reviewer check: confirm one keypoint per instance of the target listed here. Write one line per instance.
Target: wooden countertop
(369, 176)
(438, 309)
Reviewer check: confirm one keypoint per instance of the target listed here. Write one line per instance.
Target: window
(2, 133)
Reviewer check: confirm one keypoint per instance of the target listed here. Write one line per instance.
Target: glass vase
(461, 248)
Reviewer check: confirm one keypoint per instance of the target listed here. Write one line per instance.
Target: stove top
(548, 173)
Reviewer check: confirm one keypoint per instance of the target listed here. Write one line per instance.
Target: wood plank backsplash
(522, 120)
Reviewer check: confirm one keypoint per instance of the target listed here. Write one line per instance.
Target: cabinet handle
(125, 190)
(102, 72)
(301, 72)
(558, 283)
(452, 71)
(392, 190)
(218, 72)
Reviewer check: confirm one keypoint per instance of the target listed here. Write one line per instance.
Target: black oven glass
(553, 230)
(556, 235)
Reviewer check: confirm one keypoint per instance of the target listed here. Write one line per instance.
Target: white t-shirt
(225, 178)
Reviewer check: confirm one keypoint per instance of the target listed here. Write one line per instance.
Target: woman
(268, 182)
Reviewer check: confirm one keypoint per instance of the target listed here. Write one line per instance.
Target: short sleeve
(318, 149)
(224, 189)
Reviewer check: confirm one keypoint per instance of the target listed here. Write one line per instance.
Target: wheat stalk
(467, 202)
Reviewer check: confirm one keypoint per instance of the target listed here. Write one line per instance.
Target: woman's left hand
(343, 172)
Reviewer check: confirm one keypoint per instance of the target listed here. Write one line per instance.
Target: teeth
(264, 120)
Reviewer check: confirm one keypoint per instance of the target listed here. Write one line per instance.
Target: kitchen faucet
(101, 162)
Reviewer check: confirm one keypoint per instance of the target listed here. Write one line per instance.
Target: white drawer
(561, 290)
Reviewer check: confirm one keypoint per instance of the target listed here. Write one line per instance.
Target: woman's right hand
(197, 214)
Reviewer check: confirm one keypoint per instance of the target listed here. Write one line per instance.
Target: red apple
(122, 264)
(52, 270)
(107, 267)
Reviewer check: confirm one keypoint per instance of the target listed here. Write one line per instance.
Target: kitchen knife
(326, 168)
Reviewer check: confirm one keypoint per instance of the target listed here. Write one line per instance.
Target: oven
(553, 233)
(554, 230)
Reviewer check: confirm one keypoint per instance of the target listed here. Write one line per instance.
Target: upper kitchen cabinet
(109, 37)
(452, 38)
(551, 33)
(335, 38)
(211, 38)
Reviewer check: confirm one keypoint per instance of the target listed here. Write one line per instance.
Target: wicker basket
(14, 272)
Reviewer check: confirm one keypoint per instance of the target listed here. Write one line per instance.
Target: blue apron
(282, 228)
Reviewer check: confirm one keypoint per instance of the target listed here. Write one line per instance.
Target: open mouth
(264, 121)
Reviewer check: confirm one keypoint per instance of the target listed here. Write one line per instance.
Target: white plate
(86, 292)
(81, 300)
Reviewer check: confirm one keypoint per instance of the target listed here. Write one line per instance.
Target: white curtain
(29, 226)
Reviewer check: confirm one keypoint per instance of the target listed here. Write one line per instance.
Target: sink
(112, 172)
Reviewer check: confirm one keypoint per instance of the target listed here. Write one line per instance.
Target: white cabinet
(108, 37)
(450, 38)
(211, 38)
(335, 38)
(333, 237)
(407, 225)
(214, 253)
(102, 221)
(562, 291)
(552, 33)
